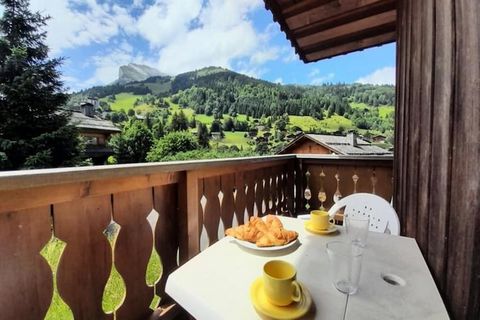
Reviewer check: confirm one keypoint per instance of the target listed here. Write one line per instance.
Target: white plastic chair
(383, 218)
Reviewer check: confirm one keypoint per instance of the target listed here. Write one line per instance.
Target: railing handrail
(344, 157)
(37, 178)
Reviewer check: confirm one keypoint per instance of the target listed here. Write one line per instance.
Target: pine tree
(34, 132)
(179, 122)
(203, 135)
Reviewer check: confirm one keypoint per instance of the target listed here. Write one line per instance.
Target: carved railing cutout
(154, 266)
(52, 253)
(115, 290)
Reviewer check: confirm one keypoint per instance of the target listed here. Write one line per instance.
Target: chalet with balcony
(95, 131)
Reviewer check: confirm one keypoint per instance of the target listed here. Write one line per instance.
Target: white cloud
(322, 79)
(71, 83)
(278, 80)
(166, 20)
(290, 56)
(314, 72)
(221, 34)
(260, 57)
(381, 76)
(316, 78)
(137, 3)
(71, 27)
(108, 63)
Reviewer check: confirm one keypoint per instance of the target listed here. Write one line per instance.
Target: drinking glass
(345, 265)
(357, 229)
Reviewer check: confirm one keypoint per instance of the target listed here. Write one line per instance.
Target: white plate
(253, 246)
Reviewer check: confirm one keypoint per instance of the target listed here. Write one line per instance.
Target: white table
(215, 283)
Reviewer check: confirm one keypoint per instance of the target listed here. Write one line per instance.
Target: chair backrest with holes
(383, 217)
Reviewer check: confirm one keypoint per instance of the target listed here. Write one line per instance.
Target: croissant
(263, 233)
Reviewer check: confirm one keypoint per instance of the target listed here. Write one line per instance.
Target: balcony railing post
(299, 200)
(194, 221)
(290, 187)
(182, 196)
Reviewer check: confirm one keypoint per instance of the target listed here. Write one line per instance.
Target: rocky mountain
(136, 72)
(164, 85)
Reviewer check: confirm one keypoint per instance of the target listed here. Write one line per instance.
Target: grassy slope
(307, 123)
(383, 111)
(125, 101)
(235, 138)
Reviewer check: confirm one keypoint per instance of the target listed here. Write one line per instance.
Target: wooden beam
(333, 10)
(350, 47)
(347, 17)
(350, 38)
(301, 7)
(378, 23)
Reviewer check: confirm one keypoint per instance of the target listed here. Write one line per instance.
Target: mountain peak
(136, 72)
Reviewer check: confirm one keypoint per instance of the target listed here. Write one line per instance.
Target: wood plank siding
(437, 175)
(320, 29)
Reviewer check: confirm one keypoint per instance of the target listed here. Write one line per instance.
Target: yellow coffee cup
(280, 285)
(319, 219)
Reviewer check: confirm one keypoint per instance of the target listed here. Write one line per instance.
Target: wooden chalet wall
(307, 147)
(437, 172)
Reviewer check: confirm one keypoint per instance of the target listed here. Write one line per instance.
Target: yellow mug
(320, 219)
(279, 282)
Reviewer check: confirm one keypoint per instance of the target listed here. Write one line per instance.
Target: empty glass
(357, 229)
(345, 265)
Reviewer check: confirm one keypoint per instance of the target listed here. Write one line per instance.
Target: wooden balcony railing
(325, 179)
(172, 210)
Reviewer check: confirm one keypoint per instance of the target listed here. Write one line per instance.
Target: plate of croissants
(265, 233)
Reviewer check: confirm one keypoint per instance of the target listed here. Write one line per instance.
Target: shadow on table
(309, 316)
(265, 253)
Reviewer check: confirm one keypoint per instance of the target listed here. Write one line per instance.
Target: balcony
(115, 219)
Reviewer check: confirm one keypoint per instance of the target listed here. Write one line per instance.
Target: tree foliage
(214, 95)
(133, 144)
(199, 154)
(203, 135)
(171, 144)
(34, 132)
(179, 122)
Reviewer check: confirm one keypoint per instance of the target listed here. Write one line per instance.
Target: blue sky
(98, 36)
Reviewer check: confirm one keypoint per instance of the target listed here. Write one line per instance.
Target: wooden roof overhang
(320, 29)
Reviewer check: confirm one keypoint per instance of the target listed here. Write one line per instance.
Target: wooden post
(437, 150)
(299, 187)
(194, 220)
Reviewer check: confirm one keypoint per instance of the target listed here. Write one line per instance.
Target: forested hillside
(235, 112)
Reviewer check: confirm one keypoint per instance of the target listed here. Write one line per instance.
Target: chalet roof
(340, 145)
(81, 121)
(320, 29)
